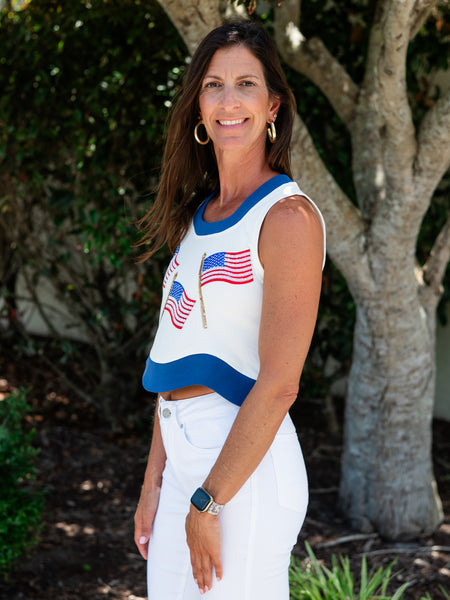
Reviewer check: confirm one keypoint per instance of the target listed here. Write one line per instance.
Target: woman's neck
(239, 177)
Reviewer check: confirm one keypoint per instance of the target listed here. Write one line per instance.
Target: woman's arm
(149, 499)
(291, 251)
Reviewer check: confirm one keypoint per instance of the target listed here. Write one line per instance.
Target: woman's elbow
(283, 393)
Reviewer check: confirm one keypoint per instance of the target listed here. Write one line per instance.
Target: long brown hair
(189, 170)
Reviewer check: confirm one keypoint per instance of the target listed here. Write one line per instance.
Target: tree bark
(433, 153)
(192, 18)
(387, 479)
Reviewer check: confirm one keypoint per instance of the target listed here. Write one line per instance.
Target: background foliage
(20, 506)
(86, 89)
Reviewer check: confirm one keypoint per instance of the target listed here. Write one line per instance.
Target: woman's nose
(230, 97)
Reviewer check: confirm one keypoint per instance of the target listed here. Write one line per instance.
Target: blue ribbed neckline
(202, 227)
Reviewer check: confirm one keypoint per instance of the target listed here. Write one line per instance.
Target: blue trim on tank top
(197, 369)
(202, 227)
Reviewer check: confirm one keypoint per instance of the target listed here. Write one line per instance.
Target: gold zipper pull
(202, 303)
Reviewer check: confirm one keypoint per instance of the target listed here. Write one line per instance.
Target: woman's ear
(274, 107)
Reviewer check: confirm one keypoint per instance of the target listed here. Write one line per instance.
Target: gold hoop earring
(272, 132)
(197, 139)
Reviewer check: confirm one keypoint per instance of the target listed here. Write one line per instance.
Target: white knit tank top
(212, 298)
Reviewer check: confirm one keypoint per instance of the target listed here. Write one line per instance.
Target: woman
(225, 489)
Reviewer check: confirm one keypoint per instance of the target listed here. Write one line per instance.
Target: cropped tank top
(212, 298)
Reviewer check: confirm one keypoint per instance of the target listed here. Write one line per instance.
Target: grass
(311, 580)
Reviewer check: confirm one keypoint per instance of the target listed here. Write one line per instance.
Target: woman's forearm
(252, 434)
(156, 458)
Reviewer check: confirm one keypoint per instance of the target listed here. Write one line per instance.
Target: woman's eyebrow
(250, 75)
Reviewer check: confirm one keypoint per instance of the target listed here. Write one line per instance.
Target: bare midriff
(187, 392)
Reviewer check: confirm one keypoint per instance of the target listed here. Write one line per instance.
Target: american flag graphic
(178, 305)
(172, 266)
(231, 267)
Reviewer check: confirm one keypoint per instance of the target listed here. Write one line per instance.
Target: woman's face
(234, 100)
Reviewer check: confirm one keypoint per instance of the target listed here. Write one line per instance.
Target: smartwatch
(204, 502)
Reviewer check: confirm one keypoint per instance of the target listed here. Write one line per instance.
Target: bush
(20, 506)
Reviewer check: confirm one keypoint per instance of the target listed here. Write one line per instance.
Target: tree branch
(420, 14)
(312, 59)
(192, 18)
(406, 549)
(386, 77)
(345, 539)
(345, 225)
(80, 390)
(436, 265)
(433, 153)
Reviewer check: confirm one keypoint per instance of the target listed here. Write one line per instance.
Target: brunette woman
(225, 489)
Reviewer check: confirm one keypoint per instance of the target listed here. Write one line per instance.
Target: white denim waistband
(190, 407)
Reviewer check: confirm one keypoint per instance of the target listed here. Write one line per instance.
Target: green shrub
(20, 506)
(313, 581)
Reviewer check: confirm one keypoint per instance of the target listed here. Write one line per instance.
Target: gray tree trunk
(387, 479)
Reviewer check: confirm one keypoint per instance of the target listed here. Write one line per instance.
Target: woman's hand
(204, 540)
(144, 517)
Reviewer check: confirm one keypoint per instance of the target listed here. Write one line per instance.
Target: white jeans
(259, 525)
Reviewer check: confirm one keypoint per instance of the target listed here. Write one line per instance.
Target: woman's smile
(229, 123)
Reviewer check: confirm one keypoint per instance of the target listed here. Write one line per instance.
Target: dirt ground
(93, 477)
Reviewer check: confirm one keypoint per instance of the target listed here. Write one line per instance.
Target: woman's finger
(143, 519)
(142, 545)
(202, 571)
(217, 564)
(197, 572)
(142, 531)
(205, 579)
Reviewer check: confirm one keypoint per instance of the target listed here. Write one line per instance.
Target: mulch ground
(93, 477)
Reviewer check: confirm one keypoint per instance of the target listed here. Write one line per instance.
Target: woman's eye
(211, 84)
(247, 83)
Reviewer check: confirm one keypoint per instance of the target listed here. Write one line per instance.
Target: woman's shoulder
(296, 211)
(292, 221)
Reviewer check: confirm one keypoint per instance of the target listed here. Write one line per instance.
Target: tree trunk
(387, 480)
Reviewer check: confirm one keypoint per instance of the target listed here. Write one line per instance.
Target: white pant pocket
(208, 428)
(290, 472)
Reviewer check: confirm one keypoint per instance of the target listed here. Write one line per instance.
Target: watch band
(204, 502)
(214, 508)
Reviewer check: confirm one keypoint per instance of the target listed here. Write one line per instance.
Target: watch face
(200, 499)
